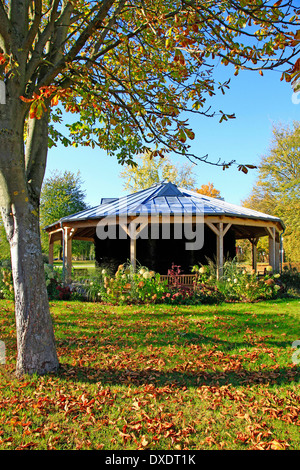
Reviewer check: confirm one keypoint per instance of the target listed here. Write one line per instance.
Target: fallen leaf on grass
(278, 445)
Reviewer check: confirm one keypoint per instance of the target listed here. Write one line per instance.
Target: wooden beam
(234, 220)
(277, 256)
(86, 239)
(226, 229)
(51, 246)
(72, 232)
(216, 230)
(125, 228)
(52, 232)
(242, 221)
(212, 227)
(271, 232)
(220, 251)
(254, 242)
(133, 253)
(220, 233)
(272, 247)
(67, 251)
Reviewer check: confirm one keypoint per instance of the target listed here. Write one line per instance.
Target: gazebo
(155, 227)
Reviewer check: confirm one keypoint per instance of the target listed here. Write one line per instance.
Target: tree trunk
(35, 337)
(19, 197)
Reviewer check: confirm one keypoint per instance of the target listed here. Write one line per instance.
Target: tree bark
(35, 337)
(19, 196)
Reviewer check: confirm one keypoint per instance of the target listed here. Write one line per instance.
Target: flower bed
(127, 286)
(145, 286)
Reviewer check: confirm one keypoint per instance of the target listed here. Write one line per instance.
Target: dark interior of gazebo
(159, 254)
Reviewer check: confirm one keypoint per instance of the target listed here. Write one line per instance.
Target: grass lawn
(158, 377)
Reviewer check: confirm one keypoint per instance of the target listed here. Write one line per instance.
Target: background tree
(132, 71)
(277, 189)
(62, 195)
(209, 190)
(153, 170)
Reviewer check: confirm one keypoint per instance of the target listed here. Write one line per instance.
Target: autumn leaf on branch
(131, 69)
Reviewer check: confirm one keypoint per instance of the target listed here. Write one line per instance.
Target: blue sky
(258, 103)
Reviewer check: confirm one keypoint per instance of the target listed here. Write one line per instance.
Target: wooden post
(51, 246)
(132, 235)
(254, 242)
(67, 261)
(271, 231)
(133, 253)
(220, 251)
(277, 252)
(220, 232)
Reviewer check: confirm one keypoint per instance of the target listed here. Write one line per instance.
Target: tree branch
(92, 26)
(35, 25)
(18, 15)
(37, 53)
(36, 153)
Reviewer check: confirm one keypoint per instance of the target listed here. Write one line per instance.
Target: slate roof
(167, 199)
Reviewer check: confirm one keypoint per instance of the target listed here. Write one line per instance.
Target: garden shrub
(290, 278)
(239, 285)
(54, 279)
(54, 283)
(128, 286)
(92, 289)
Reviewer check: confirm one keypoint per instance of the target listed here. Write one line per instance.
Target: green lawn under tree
(158, 377)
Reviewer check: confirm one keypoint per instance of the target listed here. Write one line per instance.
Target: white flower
(235, 280)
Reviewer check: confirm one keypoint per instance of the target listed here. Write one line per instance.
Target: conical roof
(166, 198)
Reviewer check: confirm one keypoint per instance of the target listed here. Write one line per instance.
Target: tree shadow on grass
(177, 339)
(160, 378)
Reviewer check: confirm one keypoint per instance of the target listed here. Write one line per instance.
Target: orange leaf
(26, 100)
(54, 100)
(2, 59)
(296, 67)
